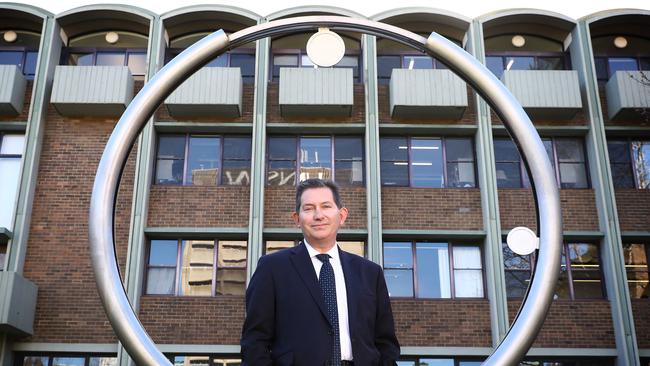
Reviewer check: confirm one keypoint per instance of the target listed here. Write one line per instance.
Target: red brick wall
(358, 114)
(517, 208)
(198, 206)
(383, 98)
(641, 313)
(431, 208)
(68, 308)
(280, 202)
(25, 112)
(442, 323)
(248, 93)
(571, 324)
(193, 320)
(633, 206)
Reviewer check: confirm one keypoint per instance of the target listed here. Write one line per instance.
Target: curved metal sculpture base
(102, 206)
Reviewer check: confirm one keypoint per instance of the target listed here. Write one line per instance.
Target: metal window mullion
(179, 263)
(215, 265)
(637, 183)
(443, 147)
(298, 157)
(186, 158)
(558, 178)
(409, 160)
(220, 160)
(414, 273)
(452, 280)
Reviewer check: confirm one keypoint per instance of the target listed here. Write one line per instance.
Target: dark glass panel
(348, 148)
(622, 64)
(550, 63)
(35, 361)
(511, 260)
(520, 63)
(622, 175)
(282, 173)
(80, 59)
(385, 66)
(418, 62)
(495, 64)
(426, 163)
(393, 149)
(459, 149)
(280, 61)
(12, 58)
(30, 63)
(587, 284)
(508, 175)
(619, 151)
(110, 59)
(246, 63)
(349, 172)
(517, 283)
(171, 147)
(68, 361)
(219, 61)
(235, 147)
(569, 150)
(433, 270)
(601, 68)
(282, 148)
(394, 173)
(505, 150)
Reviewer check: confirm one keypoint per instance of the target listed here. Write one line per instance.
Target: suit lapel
(305, 268)
(351, 287)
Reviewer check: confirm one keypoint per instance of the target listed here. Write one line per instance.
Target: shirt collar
(333, 252)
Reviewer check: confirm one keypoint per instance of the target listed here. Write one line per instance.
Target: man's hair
(318, 183)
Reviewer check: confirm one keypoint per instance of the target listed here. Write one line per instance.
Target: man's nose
(318, 213)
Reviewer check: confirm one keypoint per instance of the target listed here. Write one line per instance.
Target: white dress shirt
(341, 295)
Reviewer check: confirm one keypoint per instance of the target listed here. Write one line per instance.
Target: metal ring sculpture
(128, 329)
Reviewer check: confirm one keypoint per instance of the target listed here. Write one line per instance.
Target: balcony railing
(316, 92)
(628, 94)
(12, 90)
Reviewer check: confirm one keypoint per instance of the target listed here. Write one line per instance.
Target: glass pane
(468, 282)
(470, 363)
(550, 63)
(495, 64)
(467, 257)
(171, 147)
(232, 253)
(220, 61)
(573, 175)
(349, 172)
(436, 362)
(418, 62)
(548, 146)
(10, 168)
(638, 284)
(137, 63)
(520, 63)
(109, 59)
(619, 151)
(283, 61)
(196, 267)
(645, 64)
(203, 160)
(35, 361)
(163, 253)
(562, 289)
(236, 173)
(433, 270)
(315, 158)
(508, 175)
(426, 163)
(405, 363)
(569, 150)
(275, 245)
(12, 144)
(460, 175)
(246, 63)
(386, 64)
(587, 284)
(226, 362)
(169, 171)
(511, 260)
(80, 59)
(282, 148)
(641, 155)
(393, 149)
(517, 283)
(398, 255)
(635, 256)
(3, 254)
(394, 173)
(622, 64)
(354, 247)
(399, 282)
(348, 148)
(12, 58)
(102, 361)
(305, 61)
(282, 173)
(622, 175)
(349, 61)
(236, 147)
(505, 150)
(68, 361)
(601, 68)
(192, 360)
(231, 274)
(584, 255)
(31, 58)
(459, 150)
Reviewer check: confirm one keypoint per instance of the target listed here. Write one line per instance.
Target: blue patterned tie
(328, 286)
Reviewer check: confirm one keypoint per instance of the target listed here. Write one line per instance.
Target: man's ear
(344, 214)
(296, 218)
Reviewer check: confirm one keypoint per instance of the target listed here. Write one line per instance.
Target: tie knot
(323, 257)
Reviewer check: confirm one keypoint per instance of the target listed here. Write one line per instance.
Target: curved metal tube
(122, 317)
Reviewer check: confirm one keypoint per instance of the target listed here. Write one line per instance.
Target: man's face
(319, 218)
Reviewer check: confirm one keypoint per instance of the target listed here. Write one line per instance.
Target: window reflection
(636, 266)
(11, 150)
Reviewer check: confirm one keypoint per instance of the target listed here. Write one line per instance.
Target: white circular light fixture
(112, 37)
(10, 36)
(518, 41)
(325, 48)
(620, 42)
(522, 240)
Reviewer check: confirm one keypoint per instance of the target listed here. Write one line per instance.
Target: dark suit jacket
(286, 319)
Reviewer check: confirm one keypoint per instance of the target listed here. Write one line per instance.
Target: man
(314, 304)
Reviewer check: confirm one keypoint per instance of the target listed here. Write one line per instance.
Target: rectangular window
(24, 60)
(433, 270)
(427, 162)
(636, 266)
(135, 59)
(203, 160)
(298, 58)
(196, 267)
(566, 153)
(205, 360)
(326, 157)
(386, 64)
(239, 58)
(630, 163)
(517, 272)
(500, 63)
(67, 360)
(351, 246)
(11, 151)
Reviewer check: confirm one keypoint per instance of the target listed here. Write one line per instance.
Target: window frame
(444, 161)
(631, 166)
(24, 51)
(564, 57)
(186, 150)
(179, 269)
(450, 257)
(67, 51)
(18, 157)
(300, 53)
(555, 161)
(297, 138)
(637, 58)
(170, 53)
